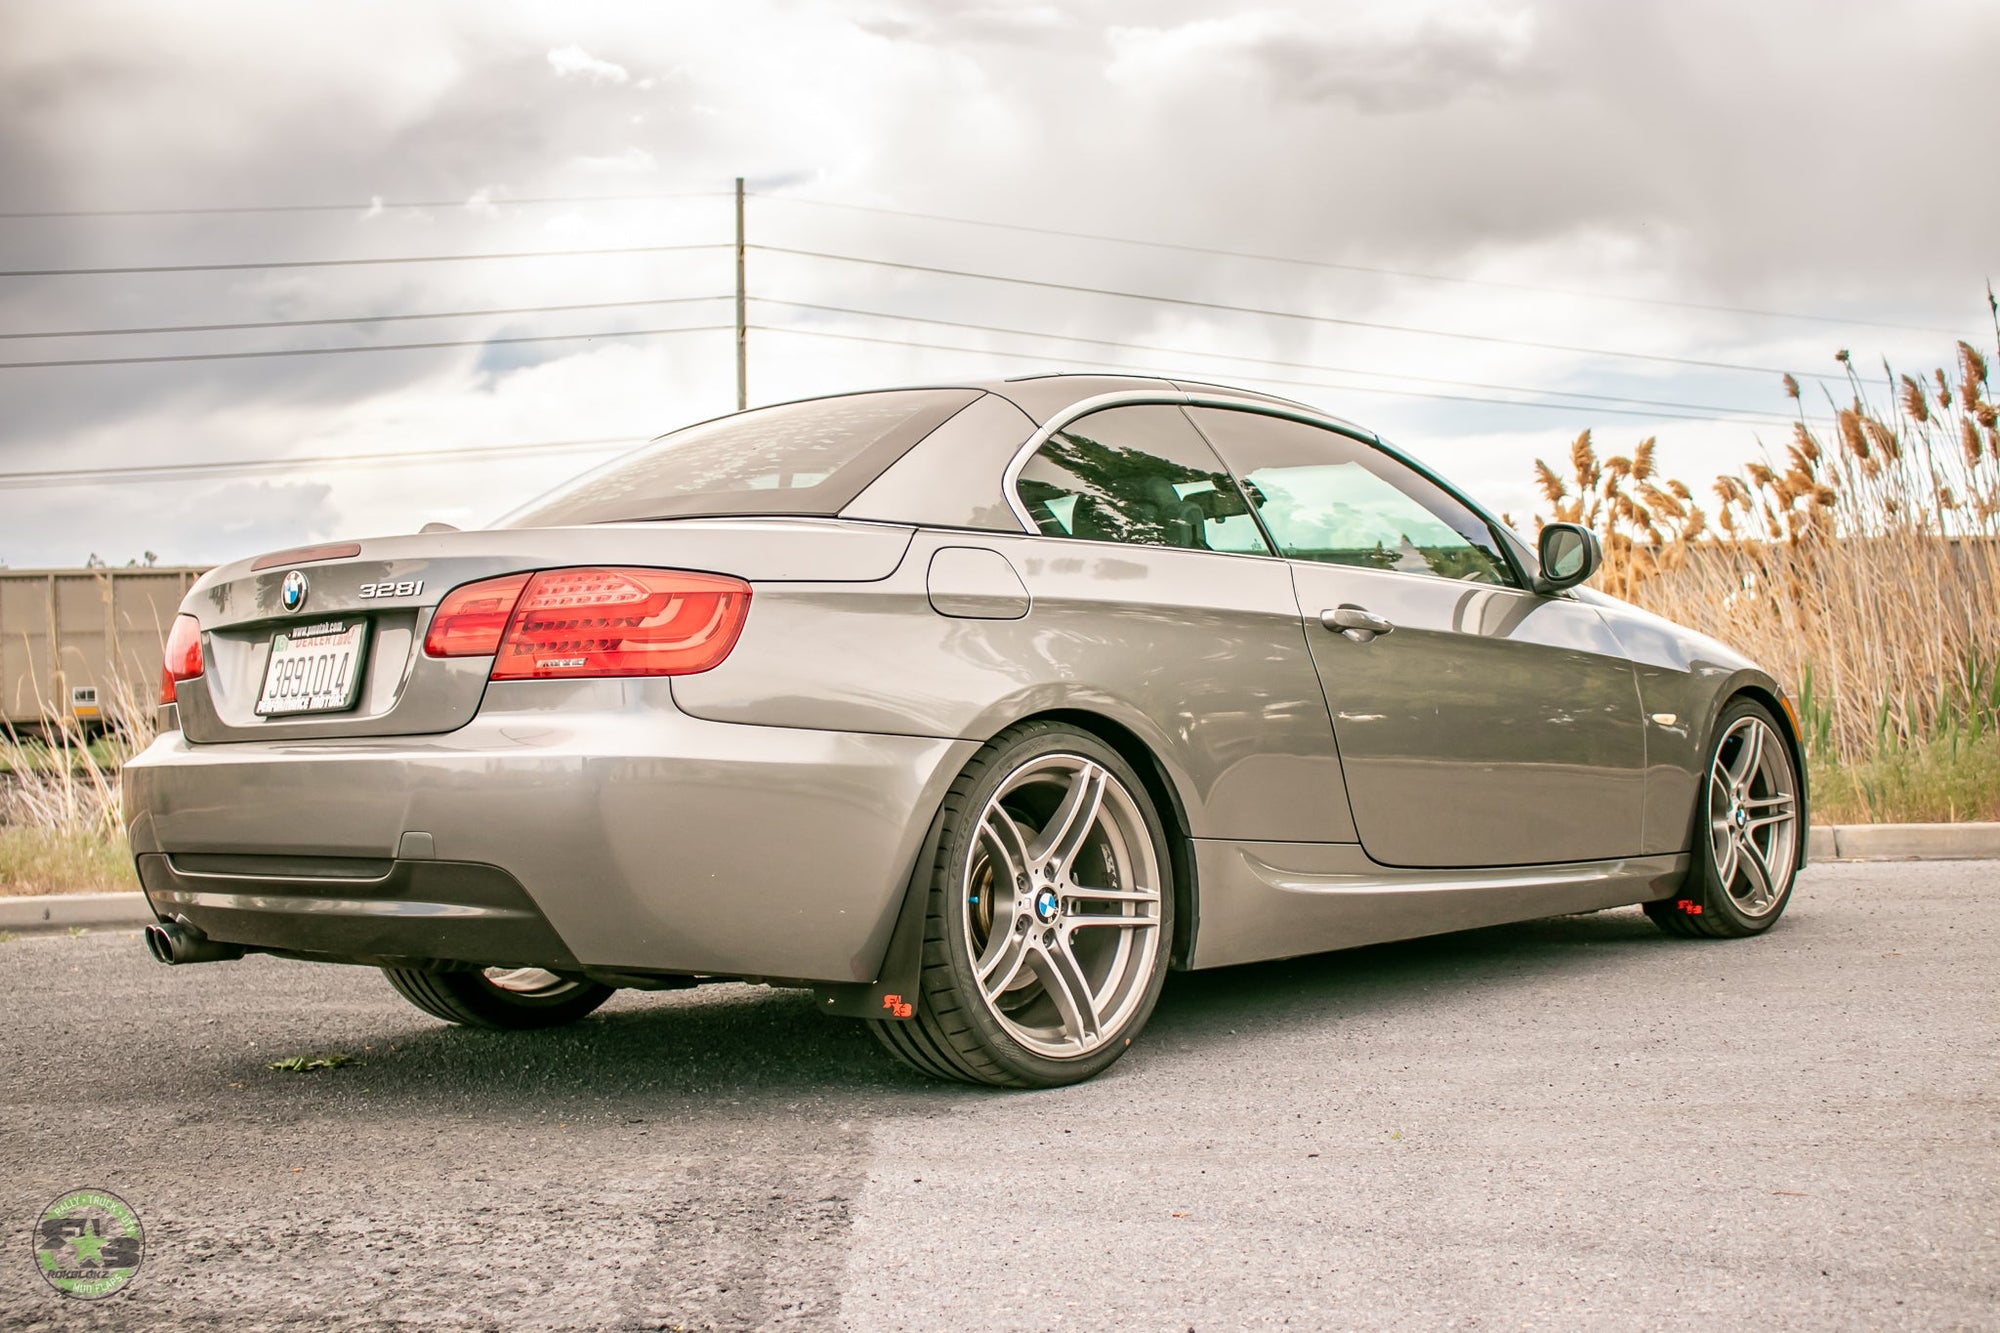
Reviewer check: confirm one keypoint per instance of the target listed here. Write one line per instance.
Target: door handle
(1354, 622)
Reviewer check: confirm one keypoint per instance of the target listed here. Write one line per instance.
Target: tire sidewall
(1715, 896)
(500, 1008)
(949, 900)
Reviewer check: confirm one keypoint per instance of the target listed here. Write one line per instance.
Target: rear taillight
(566, 623)
(183, 655)
(472, 619)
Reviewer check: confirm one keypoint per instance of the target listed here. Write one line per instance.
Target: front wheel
(1049, 916)
(509, 998)
(1747, 833)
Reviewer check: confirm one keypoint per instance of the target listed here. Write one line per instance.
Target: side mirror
(1569, 554)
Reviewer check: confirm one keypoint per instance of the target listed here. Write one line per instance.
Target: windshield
(811, 457)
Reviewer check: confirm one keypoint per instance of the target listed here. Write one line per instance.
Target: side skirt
(1262, 900)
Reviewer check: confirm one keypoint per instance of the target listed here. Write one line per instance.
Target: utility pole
(742, 328)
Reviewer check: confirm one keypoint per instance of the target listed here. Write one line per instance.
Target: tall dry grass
(1862, 567)
(61, 828)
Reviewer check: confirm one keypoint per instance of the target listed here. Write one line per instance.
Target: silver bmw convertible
(975, 709)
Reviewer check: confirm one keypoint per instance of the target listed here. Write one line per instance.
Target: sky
(1751, 186)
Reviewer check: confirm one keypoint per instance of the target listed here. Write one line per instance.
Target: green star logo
(89, 1248)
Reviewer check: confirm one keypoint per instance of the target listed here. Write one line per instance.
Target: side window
(1141, 475)
(1328, 497)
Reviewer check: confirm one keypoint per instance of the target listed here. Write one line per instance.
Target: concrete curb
(60, 911)
(1842, 842)
(1908, 842)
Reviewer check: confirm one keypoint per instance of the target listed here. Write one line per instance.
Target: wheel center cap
(1742, 816)
(1046, 906)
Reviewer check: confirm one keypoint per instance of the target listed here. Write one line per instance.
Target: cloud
(946, 22)
(568, 60)
(1373, 59)
(1704, 152)
(633, 161)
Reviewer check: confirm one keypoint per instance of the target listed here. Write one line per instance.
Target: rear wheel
(510, 998)
(1747, 833)
(1048, 919)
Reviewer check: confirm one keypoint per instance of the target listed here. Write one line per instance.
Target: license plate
(316, 669)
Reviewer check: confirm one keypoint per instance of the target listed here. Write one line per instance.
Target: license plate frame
(314, 669)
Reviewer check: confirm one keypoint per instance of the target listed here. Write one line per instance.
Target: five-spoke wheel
(1752, 803)
(1050, 915)
(1748, 848)
(1063, 904)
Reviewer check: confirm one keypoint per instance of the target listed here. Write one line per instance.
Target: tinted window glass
(1141, 475)
(796, 458)
(1328, 497)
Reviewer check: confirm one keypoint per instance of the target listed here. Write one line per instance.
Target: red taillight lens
(471, 620)
(622, 622)
(183, 655)
(566, 623)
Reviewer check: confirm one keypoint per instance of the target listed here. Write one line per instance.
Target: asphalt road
(1573, 1123)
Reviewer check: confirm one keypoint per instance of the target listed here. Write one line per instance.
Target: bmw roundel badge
(294, 593)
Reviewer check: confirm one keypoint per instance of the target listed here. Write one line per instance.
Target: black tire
(954, 1033)
(1705, 907)
(472, 999)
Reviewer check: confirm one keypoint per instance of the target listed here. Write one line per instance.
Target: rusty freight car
(72, 641)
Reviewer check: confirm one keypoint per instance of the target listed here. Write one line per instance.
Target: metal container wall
(69, 630)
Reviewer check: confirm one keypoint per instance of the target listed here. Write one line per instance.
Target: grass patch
(1939, 781)
(36, 756)
(61, 828)
(62, 860)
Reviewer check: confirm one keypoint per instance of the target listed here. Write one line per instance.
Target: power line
(345, 263)
(365, 347)
(249, 467)
(1190, 303)
(1254, 379)
(1720, 411)
(371, 205)
(376, 204)
(364, 319)
(222, 469)
(1100, 237)
(1360, 268)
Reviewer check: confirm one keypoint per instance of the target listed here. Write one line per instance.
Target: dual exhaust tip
(175, 942)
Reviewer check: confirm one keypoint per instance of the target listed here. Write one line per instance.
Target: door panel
(1479, 724)
(1489, 727)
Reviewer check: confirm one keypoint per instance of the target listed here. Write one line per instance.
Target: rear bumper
(388, 912)
(645, 839)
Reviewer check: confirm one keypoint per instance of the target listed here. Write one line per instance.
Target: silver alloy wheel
(1752, 809)
(1062, 905)
(534, 981)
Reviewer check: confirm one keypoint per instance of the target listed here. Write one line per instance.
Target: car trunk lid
(389, 587)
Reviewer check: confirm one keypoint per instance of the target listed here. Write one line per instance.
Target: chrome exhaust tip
(176, 942)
